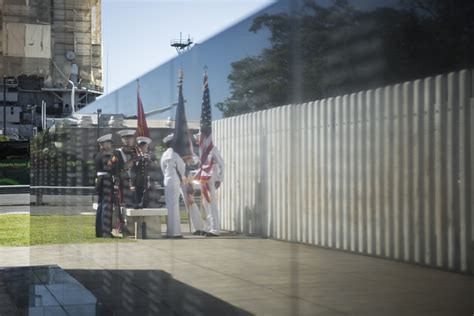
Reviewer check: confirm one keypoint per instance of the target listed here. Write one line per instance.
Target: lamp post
(99, 111)
(4, 106)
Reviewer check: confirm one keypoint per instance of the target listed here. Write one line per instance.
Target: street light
(4, 106)
(99, 111)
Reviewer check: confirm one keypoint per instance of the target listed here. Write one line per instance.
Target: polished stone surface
(203, 276)
(45, 290)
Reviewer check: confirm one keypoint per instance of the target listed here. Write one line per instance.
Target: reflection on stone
(44, 290)
(49, 290)
(151, 292)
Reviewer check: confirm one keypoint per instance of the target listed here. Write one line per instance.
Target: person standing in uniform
(121, 163)
(215, 169)
(104, 186)
(173, 169)
(187, 191)
(141, 164)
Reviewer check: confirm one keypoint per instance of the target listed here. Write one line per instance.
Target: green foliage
(158, 151)
(322, 51)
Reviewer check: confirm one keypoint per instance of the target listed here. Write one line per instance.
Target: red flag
(142, 127)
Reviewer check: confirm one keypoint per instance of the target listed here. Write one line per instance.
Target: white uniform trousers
(172, 193)
(194, 213)
(212, 213)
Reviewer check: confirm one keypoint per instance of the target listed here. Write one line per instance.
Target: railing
(14, 189)
(385, 172)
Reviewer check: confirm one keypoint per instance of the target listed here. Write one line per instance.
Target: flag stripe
(205, 143)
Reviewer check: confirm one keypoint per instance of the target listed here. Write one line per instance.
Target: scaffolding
(51, 50)
(45, 38)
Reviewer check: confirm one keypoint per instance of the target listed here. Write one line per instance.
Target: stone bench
(145, 218)
(135, 218)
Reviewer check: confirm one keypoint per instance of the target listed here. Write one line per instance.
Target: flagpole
(185, 193)
(201, 206)
(180, 146)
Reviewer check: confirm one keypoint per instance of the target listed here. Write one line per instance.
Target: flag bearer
(141, 164)
(104, 187)
(173, 169)
(188, 197)
(211, 175)
(122, 160)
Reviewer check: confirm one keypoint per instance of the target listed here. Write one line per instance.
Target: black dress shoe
(211, 235)
(175, 237)
(199, 233)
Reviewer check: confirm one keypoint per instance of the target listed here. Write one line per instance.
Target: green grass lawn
(25, 230)
(14, 230)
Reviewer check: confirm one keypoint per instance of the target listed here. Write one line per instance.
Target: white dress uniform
(194, 213)
(193, 208)
(217, 175)
(170, 162)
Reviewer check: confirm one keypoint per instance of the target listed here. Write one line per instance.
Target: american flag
(205, 141)
(142, 127)
(182, 143)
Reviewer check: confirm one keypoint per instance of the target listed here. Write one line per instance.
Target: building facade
(50, 61)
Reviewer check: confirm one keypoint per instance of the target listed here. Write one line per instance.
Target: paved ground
(14, 203)
(21, 199)
(17, 209)
(54, 204)
(263, 277)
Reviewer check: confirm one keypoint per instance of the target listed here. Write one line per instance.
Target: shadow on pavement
(49, 290)
(150, 292)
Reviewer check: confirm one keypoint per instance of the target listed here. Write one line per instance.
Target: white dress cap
(126, 132)
(143, 140)
(168, 138)
(105, 138)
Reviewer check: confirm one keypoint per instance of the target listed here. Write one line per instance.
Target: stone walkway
(258, 276)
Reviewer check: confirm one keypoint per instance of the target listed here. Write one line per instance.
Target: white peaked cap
(105, 138)
(168, 138)
(126, 132)
(143, 139)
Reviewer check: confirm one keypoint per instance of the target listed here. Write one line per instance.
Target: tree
(321, 51)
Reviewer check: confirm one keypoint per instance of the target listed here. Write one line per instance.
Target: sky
(137, 34)
(136, 37)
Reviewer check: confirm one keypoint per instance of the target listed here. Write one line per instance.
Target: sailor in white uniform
(173, 168)
(212, 227)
